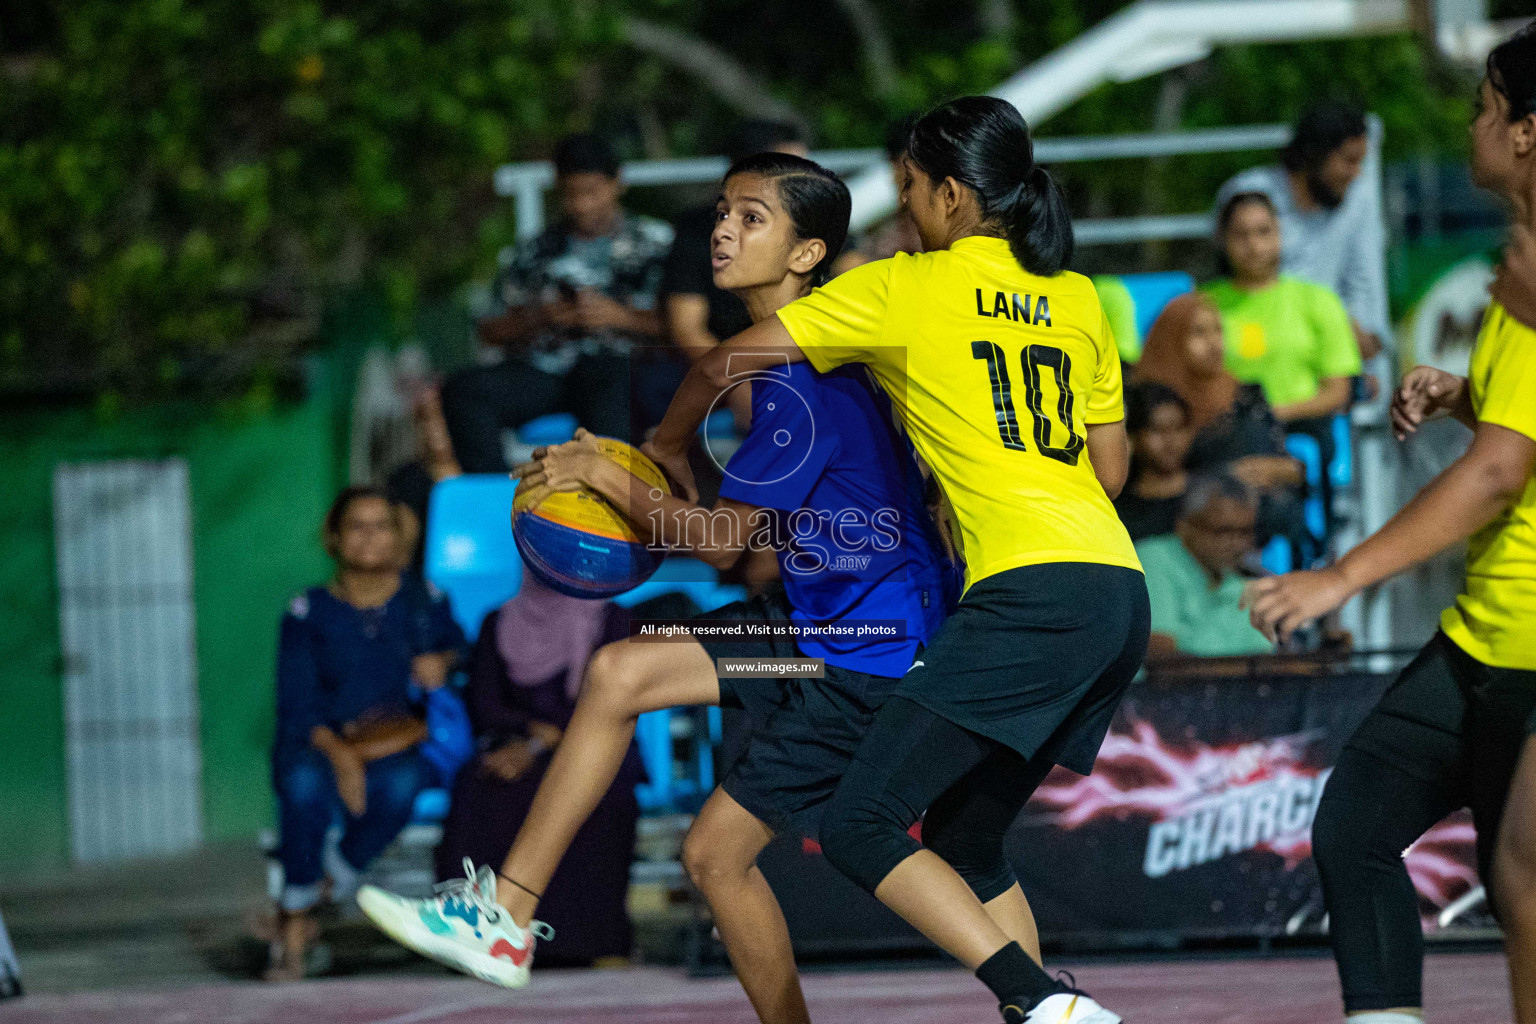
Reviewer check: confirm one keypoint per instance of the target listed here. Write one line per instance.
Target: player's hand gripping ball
(578, 543)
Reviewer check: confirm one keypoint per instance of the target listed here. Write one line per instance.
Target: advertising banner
(1197, 819)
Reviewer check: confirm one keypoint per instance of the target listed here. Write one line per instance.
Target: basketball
(576, 542)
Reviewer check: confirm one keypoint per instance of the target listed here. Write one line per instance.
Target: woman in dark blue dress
(355, 659)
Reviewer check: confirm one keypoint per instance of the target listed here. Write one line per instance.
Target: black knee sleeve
(863, 835)
(976, 856)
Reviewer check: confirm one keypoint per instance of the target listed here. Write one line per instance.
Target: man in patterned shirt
(572, 302)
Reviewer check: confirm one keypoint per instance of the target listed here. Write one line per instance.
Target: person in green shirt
(1193, 579)
(1120, 311)
(1292, 337)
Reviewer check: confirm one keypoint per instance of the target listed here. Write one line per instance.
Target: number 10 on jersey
(1032, 360)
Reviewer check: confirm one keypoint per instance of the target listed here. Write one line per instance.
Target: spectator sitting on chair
(1157, 420)
(524, 675)
(575, 301)
(1234, 429)
(1330, 228)
(353, 660)
(1194, 577)
(410, 486)
(1291, 336)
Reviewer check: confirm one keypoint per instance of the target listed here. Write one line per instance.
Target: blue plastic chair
(1341, 471)
(556, 428)
(1306, 449)
(470, 554)
(1151, 292)
(471, 557)
(431, 806)
(1277, 556)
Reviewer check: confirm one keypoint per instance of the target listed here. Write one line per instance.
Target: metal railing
(526, 183)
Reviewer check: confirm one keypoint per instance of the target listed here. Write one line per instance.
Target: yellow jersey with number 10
(1494, 619)
(996, 374)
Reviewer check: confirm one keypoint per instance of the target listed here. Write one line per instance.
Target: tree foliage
(184, 183)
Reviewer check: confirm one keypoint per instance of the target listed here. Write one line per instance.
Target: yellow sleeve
(1338, 353)
(843, 321)
(1106, 402)
(1509, 397)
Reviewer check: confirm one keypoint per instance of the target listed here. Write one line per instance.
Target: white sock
(1384, 1017)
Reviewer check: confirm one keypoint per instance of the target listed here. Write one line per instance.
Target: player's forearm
(1461, 409)
(1455, 505)
(667, 521)
(649, 508)
(696, 344)
(765, 345)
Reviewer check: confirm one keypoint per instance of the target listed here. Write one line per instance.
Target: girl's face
(754, 241)
(1253, 242)
(1164, 441)
(1204, 347)
(1501, 149)
(369, 537)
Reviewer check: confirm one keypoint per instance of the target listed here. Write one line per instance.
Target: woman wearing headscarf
(524, 676)
(1235, 430)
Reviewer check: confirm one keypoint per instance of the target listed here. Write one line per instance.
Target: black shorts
(1458, 724)
(803, 731)
(1038, 658)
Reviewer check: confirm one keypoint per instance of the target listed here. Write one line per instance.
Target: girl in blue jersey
(824, 478)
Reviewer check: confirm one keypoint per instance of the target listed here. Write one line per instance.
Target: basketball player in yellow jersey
(1455, 730)
(1006, 376)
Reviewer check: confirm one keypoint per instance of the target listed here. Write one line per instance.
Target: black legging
(910, 763)
(1447, 735)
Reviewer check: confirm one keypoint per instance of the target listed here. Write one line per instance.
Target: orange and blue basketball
(579, 544)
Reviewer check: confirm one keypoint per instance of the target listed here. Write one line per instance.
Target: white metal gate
(124, 562)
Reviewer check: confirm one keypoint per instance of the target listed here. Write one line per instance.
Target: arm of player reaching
(716, 535)
(765, 345)
(1456, 504)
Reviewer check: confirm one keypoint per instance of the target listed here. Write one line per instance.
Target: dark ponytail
(1512, 71)
(984, 143)
(816, 200)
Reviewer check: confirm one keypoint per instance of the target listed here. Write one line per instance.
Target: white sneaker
(462, 926)
(1070, 1007)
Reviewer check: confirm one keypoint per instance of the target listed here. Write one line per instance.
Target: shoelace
(478, 888)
